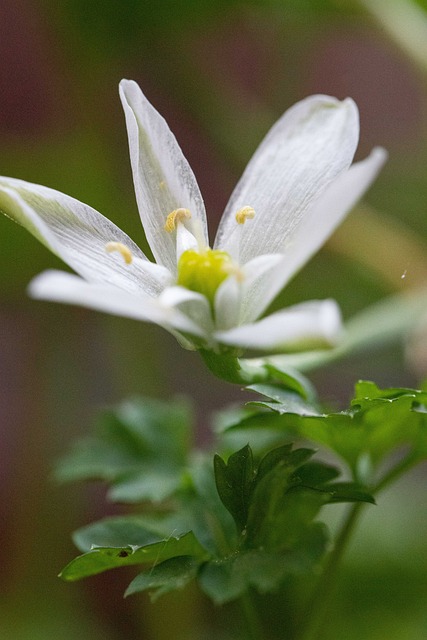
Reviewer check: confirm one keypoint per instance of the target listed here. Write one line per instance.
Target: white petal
(185, 240)
(315, 323)
(79, 234)
(59, 286)
(311, 144)
(162, 176)
(320, 221)
(228, 302)
(194, 305)
(257, 276)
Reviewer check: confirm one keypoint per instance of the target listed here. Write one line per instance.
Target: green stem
(231, 369)
(318, 606)
(395, 472)
(319, 603)
(253, 623)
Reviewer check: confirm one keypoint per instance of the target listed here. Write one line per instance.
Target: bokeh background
(221, 72)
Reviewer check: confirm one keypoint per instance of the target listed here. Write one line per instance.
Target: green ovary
(205, 271)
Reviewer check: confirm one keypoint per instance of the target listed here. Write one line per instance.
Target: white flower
(295, 191)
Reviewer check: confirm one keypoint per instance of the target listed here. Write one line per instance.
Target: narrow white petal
(320, 221)
(315, 323)
(185, 240)
(67, 288)
(194, 305)
(257, 276)
(311, 144)
(79, 234)
(228, 303)
(162, 176)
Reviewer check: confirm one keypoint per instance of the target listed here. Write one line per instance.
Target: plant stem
(231, 369)
(395, 472)
(319, 602)
(253, 623)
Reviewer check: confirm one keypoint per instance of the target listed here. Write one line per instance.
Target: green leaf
(123, 531)
(230, 578)
(292, 380)
(201, 509)
(140, 447)
(102, 559)
(154, 483)
(233, 481)
(377, 423)
(283, 459)
(283, 401)
(315, 474)
(348, 492)
(169, 575)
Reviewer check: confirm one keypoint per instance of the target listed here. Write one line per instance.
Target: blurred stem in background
(406, 23)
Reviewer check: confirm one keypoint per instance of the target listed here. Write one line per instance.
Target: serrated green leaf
(167, 576)
(279, 515)
(318, 475)
(377, 423)
(283, 401)
(228, 579)
(233, 481)
(348, 492)
(275, 518)
(292, 380)
(140, 447)
(102, 559)
(284, 457)
(123, 531)
(154, 484)
(315, 474)
(202, 510)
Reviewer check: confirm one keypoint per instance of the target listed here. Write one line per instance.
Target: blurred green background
(221, 72)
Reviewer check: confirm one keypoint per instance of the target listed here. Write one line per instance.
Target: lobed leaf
(101, 559)
(377, 422)
(167, 576)
(233, 481)
(139, 447)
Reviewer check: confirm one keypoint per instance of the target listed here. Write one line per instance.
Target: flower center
(204, 271)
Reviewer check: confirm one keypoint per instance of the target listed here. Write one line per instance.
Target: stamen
(178, 215)
(124, 251)
(245, 213)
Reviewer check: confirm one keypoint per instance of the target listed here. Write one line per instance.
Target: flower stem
(318, 606)
(253, 623)
(231, 369)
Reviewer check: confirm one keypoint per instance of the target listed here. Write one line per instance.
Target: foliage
(250, 518)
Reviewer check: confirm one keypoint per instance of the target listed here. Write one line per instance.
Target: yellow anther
(178, 215)
(124, 251)
(245, 213)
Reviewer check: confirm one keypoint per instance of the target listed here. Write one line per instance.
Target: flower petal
(311, 144)
(59, 286)
(194, 305)
(227, 302)
(320, 221)
(303, 326)
(79, 235)
(162, 176)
